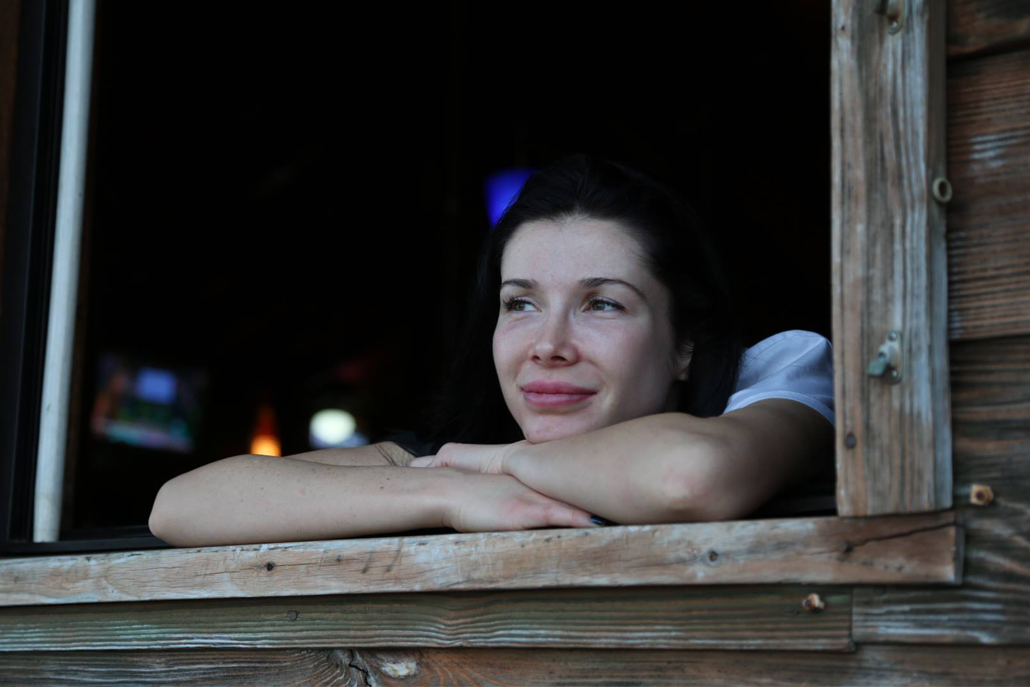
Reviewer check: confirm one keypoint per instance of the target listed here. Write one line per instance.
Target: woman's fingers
(561, 515)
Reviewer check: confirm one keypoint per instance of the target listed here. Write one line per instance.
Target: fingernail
(598, 520)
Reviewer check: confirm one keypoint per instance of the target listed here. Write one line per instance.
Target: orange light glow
(265, 441)
(262, 445)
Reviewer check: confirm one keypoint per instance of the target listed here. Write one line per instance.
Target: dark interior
(286, 199)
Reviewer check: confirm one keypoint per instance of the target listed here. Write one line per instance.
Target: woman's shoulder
(795, 364)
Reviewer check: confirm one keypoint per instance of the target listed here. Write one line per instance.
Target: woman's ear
(685, 355)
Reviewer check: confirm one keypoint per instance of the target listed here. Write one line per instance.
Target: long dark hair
(471, 408)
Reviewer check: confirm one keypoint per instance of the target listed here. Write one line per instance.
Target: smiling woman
(603, 379)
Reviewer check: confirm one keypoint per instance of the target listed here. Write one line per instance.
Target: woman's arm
(671, 467)
(383, 453)
(256, 499)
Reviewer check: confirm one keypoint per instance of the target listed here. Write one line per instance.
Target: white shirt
(796, 365)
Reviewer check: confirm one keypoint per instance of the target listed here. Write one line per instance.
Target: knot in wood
(713, 556)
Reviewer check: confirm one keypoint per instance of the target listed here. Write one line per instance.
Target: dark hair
(471, 408)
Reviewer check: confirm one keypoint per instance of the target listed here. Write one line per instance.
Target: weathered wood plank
(638, 618)
(869, 666)
(889, 260)
(227, 667)
(987, 26)
(902, 550)
(989, 216)
(992, 446)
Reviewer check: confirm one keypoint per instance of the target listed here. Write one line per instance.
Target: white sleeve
(795, 365)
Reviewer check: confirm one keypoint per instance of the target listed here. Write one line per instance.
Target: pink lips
(551, 394)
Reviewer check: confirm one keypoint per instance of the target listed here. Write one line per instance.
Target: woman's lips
(551, 394)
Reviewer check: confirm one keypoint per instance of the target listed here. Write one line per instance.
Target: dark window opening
(285, 203)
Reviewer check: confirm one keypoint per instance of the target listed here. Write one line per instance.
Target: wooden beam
(991, 390)
(872, 666)
(732, 617)
(977, 27)
(889, 261)
(896, 550)
(989, 217)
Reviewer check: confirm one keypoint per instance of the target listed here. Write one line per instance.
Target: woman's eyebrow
(521, 283)
(589, 283)
(594, 282)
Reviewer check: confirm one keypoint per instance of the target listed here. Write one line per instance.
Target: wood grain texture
(991, 387)
(978, 27)
(902, 550)
(889, 260)
(869, 666)
(636, 618)
(989, 216)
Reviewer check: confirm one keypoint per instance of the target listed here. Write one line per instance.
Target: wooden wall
(988, 236)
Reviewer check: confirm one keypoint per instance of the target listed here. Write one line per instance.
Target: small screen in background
(147, 405)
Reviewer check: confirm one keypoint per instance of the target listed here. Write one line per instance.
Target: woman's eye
(518, 305)
(600, 305)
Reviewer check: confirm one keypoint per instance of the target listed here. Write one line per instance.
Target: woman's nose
(553, 344)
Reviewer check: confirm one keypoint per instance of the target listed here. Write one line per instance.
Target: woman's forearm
(258, 499)
(677, 468)
(633, 472)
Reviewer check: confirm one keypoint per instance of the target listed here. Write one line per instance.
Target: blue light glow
(501, 190)
(156, 386)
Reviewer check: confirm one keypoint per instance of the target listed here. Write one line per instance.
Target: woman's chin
(554, 428)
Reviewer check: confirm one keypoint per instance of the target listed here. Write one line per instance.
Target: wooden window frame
(893, 440)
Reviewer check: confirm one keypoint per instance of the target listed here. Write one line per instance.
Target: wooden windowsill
(893, 550)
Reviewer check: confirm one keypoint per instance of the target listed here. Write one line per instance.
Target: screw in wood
(270, 566)
(894, 26)
(850, 441)
(813, 603)
(980, 495)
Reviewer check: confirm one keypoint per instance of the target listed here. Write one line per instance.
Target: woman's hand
(488, 459)
(492, 503)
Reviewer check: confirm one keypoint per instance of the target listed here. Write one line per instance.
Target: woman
(601, 381)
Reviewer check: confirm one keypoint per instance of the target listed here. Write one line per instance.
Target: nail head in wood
(269, 566)
(813, 603)
(980, 495)
(293, 615)
(850, 441)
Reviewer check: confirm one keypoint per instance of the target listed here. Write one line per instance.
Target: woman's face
(583, 337)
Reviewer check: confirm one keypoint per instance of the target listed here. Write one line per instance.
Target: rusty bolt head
(980, 495)
(813, 603)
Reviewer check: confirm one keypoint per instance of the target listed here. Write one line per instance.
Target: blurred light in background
(266, 433)
(142, 405)
(334, 428)
(501, 189)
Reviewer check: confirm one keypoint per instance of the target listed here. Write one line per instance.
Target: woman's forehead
(572, 250)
